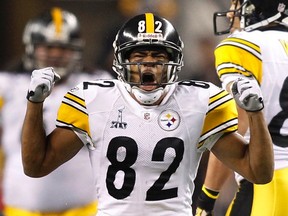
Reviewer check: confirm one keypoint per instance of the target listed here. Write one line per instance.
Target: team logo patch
(169, 120)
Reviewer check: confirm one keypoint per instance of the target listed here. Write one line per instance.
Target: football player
(146, 131)
(256, 51)
(51, 39)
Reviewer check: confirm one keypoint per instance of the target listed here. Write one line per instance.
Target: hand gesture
(248, 95)
(41, 84)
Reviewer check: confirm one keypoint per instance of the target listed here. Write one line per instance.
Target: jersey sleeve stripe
(246, 43)
(221, 116)
(75, 98)
(228, 60)
(75, 102)
(219, 103)
(215, 117)
(249, 47)
(215, 97)
(243, 47)
(231, 68)
(219, 99)
(75, 105)
(73, 113)
(231, 125)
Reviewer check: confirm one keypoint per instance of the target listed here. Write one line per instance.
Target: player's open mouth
(148, 79)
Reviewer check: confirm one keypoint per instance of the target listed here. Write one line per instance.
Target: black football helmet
(253, 14)
(148, 30)
(54, 27)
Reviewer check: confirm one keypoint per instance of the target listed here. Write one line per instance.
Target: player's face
(149, 68)
(234, 17)
(54, 56)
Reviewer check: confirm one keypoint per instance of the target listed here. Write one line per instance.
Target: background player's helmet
(53, 28)
(147, 30)
(253, 14)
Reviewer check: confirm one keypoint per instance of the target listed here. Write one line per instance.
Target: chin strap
(263, 22)
(147, 97)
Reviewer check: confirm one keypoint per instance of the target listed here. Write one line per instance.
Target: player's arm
(217, 173)
(254, 161)
(42, 154)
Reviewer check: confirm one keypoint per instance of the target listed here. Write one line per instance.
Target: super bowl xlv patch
(169, 120)
(119, 123)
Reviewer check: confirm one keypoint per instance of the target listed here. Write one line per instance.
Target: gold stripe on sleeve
(237, 56)
(75, 99)
(253, 46)
(72, 112)
(221, 117)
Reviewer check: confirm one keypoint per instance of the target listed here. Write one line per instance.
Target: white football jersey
(145, 158)
(71, 185)
(264, 56)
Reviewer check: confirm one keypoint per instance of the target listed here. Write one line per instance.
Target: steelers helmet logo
(169, 120)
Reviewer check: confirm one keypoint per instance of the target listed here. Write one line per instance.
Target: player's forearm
(217, 173)
(261, 155)
(33, 139)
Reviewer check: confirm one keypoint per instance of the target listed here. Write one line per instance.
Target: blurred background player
(51, 39)
(256, 49)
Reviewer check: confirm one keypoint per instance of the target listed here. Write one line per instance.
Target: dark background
(97, 19)
(100, 19)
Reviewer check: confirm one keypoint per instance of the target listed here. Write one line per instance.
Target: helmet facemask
(128, 70)
(142, 75)
(150, 33)
(222, 25)
(250, 15)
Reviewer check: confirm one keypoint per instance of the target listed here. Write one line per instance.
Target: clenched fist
(41, 84)
(248, 95)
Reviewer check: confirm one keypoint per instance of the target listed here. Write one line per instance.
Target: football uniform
(264, 56)
(145, 158)
(70, 188)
